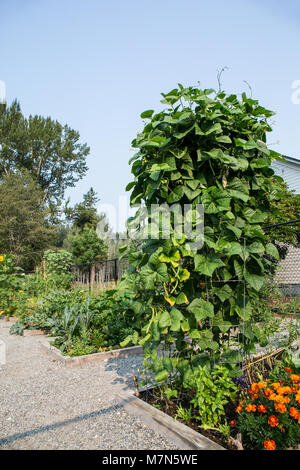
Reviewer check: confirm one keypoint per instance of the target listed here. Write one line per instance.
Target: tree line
(39, 159)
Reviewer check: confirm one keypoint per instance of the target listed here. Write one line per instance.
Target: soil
(170, 408)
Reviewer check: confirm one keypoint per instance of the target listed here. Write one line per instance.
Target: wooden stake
(135, 381)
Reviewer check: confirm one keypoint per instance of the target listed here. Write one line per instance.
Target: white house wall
(290, 172)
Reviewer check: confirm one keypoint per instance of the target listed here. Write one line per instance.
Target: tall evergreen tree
(84, 214)
(85, 244)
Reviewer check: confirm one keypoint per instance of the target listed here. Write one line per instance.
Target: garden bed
(183, 436)
(33, 333)
(156, 406)
(287, 315)
(169, 409)
(9, 319)
(86, 359)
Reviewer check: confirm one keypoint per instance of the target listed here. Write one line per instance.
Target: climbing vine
(206, 148)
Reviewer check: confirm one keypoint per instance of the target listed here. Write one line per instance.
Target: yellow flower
(170, 301)
(1, 258)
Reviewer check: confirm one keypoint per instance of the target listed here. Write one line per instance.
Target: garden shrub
(87, 248)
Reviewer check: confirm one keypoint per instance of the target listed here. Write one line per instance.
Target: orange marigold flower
(297, 415)
(273, 421)
(254, 388)
(273, 396)
(294, 378)
(277, 398)
(267, 392)
(288, 369)
(239, 408)
(269, 444)
(284, 390)
(293, 412)
(254, 396)
(232, 423)
(262, 408)
(275, 385)
(250, 408)
(261, 385)
(280, 427)
(280, 407)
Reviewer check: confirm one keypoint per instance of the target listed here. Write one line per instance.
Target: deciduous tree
(49, 150)
(25, 230)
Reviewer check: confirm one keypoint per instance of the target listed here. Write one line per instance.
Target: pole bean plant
(205, 148)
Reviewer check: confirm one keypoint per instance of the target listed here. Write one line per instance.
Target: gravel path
(46, 405)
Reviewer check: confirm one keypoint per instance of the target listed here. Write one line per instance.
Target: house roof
(289, 170)
(292, 159)
(289, 268)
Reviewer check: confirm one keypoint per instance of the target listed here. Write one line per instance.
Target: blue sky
(96, 65)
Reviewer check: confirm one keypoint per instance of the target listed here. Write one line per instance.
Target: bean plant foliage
(206, 148)
(58, 267)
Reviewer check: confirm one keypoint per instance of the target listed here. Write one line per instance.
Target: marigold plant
(269, 416)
